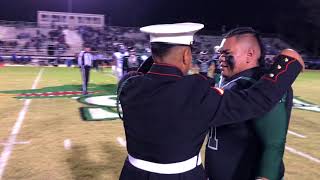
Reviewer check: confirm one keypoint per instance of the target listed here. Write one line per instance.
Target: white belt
(172, 168)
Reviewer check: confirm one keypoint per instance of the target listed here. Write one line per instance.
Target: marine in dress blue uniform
(167, 113)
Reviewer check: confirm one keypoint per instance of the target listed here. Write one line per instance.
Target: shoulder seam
(202, 76)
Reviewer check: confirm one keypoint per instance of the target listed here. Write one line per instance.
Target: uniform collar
(163, 69)
(253, 72)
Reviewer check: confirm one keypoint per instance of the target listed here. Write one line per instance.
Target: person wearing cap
(167, 113)
(256, 147)
(85, 62)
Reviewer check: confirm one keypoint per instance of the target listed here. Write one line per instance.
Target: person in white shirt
(118, 56)
(85, 63)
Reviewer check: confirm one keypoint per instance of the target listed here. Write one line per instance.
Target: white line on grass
(15, 130)
(302, 154)
(22, 142)
(122, 142)
(296, 134)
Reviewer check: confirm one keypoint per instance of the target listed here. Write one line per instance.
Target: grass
(307, 86)
(95, 153)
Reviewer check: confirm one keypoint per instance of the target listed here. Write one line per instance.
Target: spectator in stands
(28, 59)
(14, 58)
(204, 63)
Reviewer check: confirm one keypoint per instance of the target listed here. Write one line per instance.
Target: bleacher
(32, 40)
(30, 43)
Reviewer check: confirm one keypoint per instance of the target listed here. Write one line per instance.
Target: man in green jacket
(252, 149)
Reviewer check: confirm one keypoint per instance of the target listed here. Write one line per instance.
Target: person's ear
(250, 54)
(187, 56)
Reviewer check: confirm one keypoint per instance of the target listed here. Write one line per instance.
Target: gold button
(286, 60)
(279, 67)
(271, 75)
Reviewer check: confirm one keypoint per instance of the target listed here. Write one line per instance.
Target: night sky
(213, 13)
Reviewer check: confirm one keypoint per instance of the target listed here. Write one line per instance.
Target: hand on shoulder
(294, 54)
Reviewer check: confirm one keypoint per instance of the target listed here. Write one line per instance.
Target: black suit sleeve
(236, 106)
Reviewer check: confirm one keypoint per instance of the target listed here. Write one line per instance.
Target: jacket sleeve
(237, 106)
(272, 130)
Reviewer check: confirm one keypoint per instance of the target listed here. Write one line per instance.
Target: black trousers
(129, 172)
(85, 74)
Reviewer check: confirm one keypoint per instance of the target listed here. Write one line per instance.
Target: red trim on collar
(163, 74)
(165, 64)
(276, 78)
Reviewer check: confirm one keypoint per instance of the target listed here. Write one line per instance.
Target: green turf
(307, 86)
(95, 152)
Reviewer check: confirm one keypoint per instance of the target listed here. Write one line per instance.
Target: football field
(49, 131)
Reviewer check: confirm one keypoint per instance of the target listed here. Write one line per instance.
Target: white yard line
(296, 134)
(23, 142)
(302, 154)
(122, 142)
(5, 155)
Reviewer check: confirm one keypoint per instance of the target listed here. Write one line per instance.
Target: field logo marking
(102, 100)
(101, 107)
(304, 105)
(64, 91)
(8, 146)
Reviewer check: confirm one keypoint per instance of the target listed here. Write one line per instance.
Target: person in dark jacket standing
(131, 62)
(167, 113)
(256, 147)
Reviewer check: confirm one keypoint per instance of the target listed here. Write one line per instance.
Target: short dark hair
(161, 49)
(240, 31)
(249, 30)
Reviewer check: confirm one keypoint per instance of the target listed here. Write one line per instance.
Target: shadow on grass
(110, 165)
